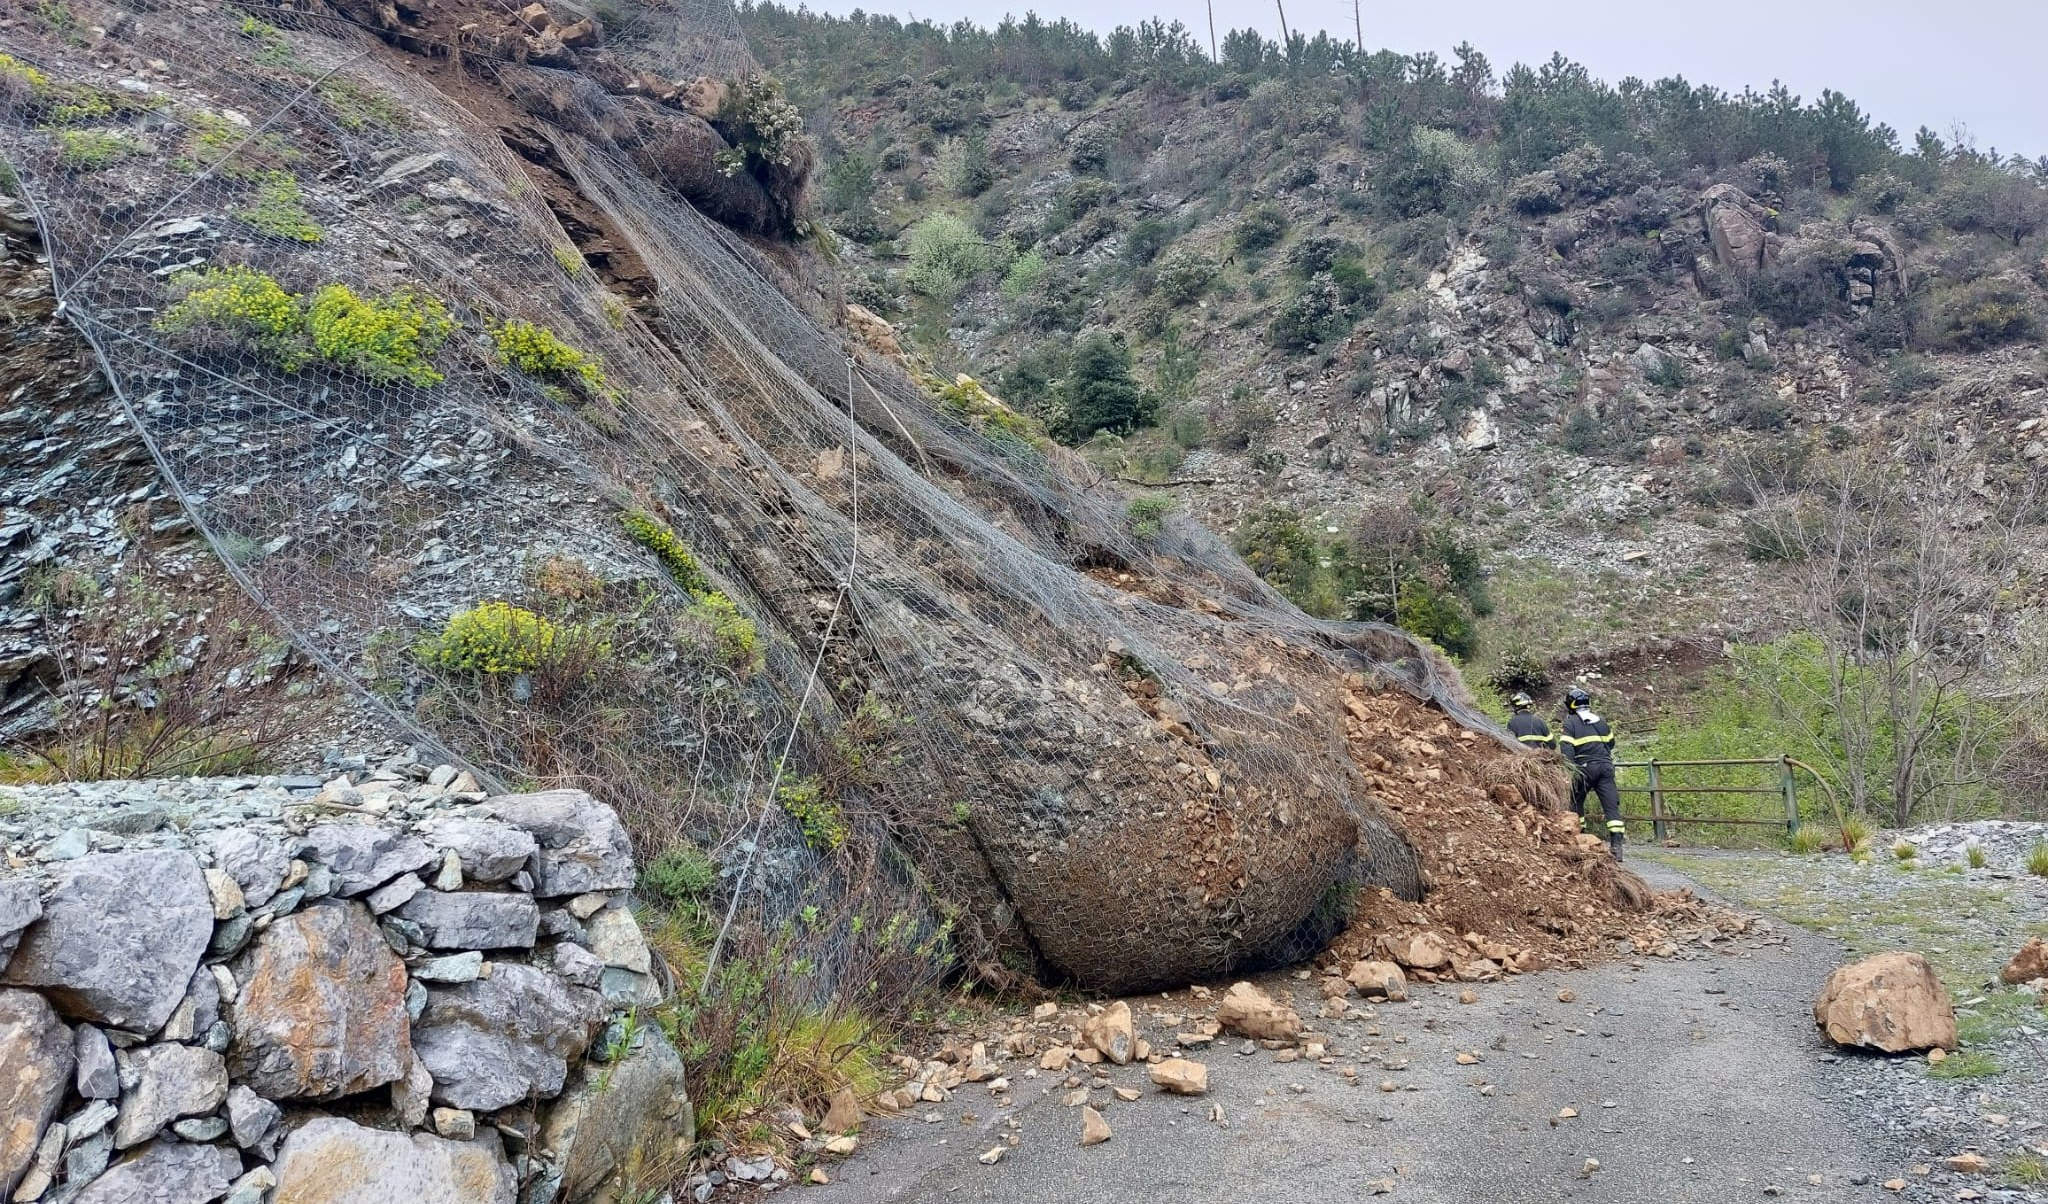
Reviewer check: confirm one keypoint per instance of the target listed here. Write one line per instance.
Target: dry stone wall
(384, 986)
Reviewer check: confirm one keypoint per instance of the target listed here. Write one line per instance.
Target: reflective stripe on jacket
(1586, 738)
(1531, 730)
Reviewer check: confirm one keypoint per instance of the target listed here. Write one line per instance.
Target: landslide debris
(1510, 884)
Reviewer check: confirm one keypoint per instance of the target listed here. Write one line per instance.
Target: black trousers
(1597, 777)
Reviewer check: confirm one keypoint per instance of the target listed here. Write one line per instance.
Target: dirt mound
(1511, 884)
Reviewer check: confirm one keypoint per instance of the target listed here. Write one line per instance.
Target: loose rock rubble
(1511, 887)
(247, 986)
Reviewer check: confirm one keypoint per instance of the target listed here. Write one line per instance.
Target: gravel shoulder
(1696, 1078)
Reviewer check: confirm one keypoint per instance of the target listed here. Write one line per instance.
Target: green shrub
(279, 209)
(92, 150)
(765, 128)
(1147, 515)
(386, 338)
(537, 351)
(1670, 373)
(1100, 393)
(1184, 277)
(682, 874)
(2037, 860)
(734, 638)
(1024, 274)
(1262, 226)
(1314, 314)
(493, 638)
(823, 823)
(945, 253)
(1536, 193)
(240, 302)
(1989, 313)
(1437, 615)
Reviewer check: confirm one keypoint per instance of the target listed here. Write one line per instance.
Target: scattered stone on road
(1094, 1129)
(1178, 1076)
(1247, 1010)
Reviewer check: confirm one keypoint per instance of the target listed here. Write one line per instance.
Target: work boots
(1614, 845)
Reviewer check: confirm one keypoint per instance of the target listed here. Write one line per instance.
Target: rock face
(167, 1173)
(583, 846)
(257, 863)
(334, 1161)
(638, 1103)
(493, 1042)
(1735, 228)
(323, 1014)
(1247, 1010)
(2030, 963)
(1892, 1002)
(35, 1068)
(488, 851)
(118, 939)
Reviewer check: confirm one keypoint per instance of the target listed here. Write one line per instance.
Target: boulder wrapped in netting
(413, 336)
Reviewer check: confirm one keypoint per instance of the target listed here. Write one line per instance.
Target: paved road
(1713, 1069)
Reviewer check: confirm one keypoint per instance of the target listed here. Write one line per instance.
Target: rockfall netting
(436, 344)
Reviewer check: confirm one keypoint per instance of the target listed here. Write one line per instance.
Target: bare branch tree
(1900, 564)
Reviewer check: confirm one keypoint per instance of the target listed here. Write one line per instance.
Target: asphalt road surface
(1700, 1080)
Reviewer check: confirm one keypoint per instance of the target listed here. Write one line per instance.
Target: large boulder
(322, 1010)
(583, 846)
(364, 856)
(1893, 1002)
(166, 1173)
(329, 1160)
(499, 1040)
(119, 938)
(638, 1103)
(35, 1068)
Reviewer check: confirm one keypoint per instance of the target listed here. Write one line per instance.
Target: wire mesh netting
(545, 464)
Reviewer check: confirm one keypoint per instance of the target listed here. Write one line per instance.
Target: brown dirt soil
(1511, 885)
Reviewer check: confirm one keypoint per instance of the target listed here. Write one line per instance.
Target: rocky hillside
(1505, 356)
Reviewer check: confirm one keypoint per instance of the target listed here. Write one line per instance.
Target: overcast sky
(1980, 63)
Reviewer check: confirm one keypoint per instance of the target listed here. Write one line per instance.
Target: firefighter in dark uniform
(1527, 726)
(1587, 741)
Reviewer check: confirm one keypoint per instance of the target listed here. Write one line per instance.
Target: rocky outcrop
(1735, 227)
(280, 942)
(1892, 1002)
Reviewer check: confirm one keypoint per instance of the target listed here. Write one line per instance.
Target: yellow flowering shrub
(734, 637)
(538, 351)
(238, 301)
(495, 637)
(654, 535)
(385, 338)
